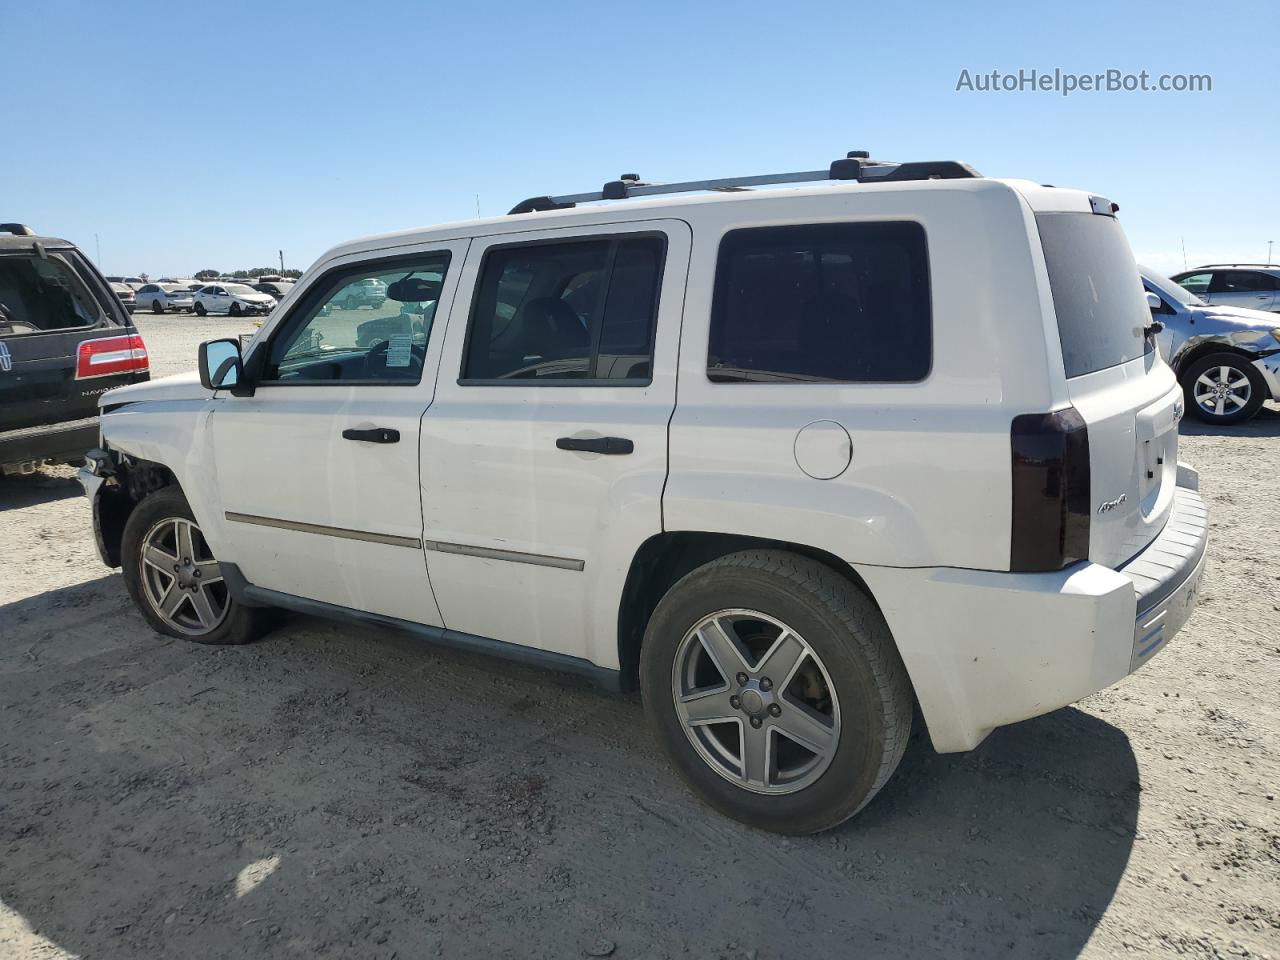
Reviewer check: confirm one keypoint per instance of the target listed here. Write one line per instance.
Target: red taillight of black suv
(111, 355)
(1050, 522)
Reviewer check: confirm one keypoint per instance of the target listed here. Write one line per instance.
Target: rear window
(39, 294)
(1097, 294)
(839, 302)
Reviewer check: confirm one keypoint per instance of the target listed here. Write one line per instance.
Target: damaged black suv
(65, 338)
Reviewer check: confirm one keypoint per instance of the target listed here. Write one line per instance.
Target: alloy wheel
(756, 701)
(182, 581)
(1222, 390)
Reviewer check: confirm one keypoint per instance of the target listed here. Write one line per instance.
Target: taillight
(110, 355)
(1050, 528)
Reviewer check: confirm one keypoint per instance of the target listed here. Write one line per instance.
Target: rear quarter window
(842, 302)
(1097, 293)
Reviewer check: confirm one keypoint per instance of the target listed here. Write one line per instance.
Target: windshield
(1170, 290)
(240, 290)
(172, 288)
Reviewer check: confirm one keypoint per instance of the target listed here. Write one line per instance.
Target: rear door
(545, 452)
(1250, 289)
(1128, 397)
(49, 306)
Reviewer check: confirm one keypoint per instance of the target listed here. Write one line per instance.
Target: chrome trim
(513, 556)
(390, 540)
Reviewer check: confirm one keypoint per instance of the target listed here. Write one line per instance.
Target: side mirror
(1154, 302)
(220, 365)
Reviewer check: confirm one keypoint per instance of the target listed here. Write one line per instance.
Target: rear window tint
(1097, 294)
(844, 302)
(39, 294)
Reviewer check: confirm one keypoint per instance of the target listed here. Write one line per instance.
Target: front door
(544, 453)
(317, 472)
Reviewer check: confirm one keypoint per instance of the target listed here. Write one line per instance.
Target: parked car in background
(161, 297)
(132, 282)
(233, 299)
(1255, 286)
(922, 457)
(65, 339)
(274, 288)
(370, 292)
(1226, 358)
(125, 293)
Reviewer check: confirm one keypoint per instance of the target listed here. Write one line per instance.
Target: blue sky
(211, 135)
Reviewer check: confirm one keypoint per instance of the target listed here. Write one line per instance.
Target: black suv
(65, 338)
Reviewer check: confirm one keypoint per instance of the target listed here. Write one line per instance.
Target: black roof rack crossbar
(855, 166)
(17, 229)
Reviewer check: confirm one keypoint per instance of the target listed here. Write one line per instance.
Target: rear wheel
(776, 689)
(174, 578)
(157, 306)
(200, 310)
(1224, 388)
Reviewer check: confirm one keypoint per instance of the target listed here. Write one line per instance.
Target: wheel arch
(665, 558)
(135, 480)
(1207, 348)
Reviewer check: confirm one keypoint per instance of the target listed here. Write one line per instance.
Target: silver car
(1227, 358)
(1252, 286)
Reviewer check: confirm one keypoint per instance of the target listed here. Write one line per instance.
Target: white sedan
(234, 299)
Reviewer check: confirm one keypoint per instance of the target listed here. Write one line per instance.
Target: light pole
(1269, 243)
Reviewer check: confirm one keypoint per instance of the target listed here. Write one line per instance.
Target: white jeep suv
(789, 460)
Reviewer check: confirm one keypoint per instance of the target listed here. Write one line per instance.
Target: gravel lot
(337, 791)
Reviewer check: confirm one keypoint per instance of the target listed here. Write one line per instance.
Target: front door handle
(610, 446)
(372, 435)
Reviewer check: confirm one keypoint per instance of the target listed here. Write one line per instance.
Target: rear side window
(582, 310)
(1243, 281)
(1102, 313)
(38, 294)
(844, 302)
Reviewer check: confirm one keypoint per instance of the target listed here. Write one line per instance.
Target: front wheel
(157, 306)
(775, 687)
(200, 310)
(174, 578)
(1224, 388)
(234, 310)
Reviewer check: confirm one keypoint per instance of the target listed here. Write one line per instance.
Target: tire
(866, 715)
(157, 306)
(200, 310)
(148, 526)
(234, 310)
(1225, 381)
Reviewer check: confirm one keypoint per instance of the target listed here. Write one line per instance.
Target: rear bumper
(986, 649)
(64, 442)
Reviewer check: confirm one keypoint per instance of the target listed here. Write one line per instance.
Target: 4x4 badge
(6, 361)
(1110, 505)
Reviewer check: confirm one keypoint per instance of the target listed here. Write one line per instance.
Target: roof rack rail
(856, 165)
(17, 229)
(1205, 265)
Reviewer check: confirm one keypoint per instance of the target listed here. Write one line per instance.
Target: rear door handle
(610, 446)
(372, 435)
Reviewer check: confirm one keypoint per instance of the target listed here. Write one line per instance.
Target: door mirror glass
(220, 364)
(1153, 301)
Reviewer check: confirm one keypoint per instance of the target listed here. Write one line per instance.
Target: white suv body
(1012, 510)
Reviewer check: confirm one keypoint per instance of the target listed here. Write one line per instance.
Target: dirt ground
(344, 792)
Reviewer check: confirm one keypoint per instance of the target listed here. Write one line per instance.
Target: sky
(167, 137)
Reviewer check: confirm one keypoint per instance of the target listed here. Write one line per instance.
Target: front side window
(363, 324)
(1197, 283)
(577, 310)
(842, 302)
